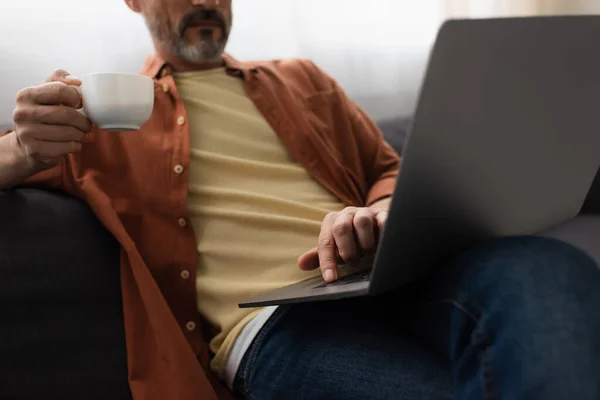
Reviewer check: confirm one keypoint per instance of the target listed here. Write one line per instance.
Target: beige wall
(556, 6)
(499, 8)
(569, 6)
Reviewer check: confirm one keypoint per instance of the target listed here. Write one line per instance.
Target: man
(245, 166)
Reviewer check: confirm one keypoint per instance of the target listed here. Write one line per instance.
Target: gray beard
(206, 51)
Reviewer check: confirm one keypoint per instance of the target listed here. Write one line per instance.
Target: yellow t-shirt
(254, 210)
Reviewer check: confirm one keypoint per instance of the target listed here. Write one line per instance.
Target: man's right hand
(47, 123)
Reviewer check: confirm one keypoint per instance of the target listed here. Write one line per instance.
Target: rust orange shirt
(137, 185)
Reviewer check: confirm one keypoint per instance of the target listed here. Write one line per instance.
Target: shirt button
(178, 169)
(190, 326)
(185, 274)
(165, 88)
(182, 222)
(181, 120)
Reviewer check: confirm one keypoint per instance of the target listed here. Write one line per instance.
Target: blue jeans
(516, 318)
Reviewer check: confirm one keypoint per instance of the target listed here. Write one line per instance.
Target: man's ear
(134, 5)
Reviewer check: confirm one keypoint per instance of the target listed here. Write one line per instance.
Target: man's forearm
(14, 168)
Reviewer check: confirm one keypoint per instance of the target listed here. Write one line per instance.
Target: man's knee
(529, 275)
(533, 258)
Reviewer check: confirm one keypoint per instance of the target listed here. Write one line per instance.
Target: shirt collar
(156, 68)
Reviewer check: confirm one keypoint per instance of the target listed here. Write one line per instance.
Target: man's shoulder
(300, 72)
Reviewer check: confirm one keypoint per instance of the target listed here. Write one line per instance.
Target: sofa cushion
(62, 334)
(395, 131)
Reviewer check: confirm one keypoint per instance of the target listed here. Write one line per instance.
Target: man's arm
(354, 232)
(47, 128)
(380, 162)
(358, 138)
(14, 167)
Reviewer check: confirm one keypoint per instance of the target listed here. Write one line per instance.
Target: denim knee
(532, 302)
(534, 262)
(532, 277)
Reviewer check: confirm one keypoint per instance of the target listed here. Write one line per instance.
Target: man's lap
(403, 343)
(335, 350)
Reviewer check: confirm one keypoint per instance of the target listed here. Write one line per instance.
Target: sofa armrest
(61, 333)
(582, 231)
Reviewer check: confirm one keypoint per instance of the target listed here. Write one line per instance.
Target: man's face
(193, 30)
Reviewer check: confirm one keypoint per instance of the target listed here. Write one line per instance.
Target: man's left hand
(346, 236)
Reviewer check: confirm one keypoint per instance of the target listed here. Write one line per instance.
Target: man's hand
(347, 235)
(47, 123)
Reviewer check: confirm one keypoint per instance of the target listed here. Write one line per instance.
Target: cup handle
(81, 110)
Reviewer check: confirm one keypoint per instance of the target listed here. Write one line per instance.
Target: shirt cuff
(382, 189)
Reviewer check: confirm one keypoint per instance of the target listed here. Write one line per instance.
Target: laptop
(505, 141)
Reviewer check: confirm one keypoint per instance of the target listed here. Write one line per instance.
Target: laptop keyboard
(362, 276)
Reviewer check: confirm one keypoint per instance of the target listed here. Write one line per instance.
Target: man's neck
(180, 65)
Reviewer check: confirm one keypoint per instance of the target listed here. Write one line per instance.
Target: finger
(45, 150)
(364, 222)
(327, 250)
(381, 218)
(310, 260)
(53, 93)
(62, 115)
(50, 133)
(343, 233)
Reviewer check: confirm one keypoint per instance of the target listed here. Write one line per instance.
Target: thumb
(60, 75)
(309, 260)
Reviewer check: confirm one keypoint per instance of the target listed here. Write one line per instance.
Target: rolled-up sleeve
(370, 156)
(380, 161)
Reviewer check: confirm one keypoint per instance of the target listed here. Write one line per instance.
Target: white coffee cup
(117, 102)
